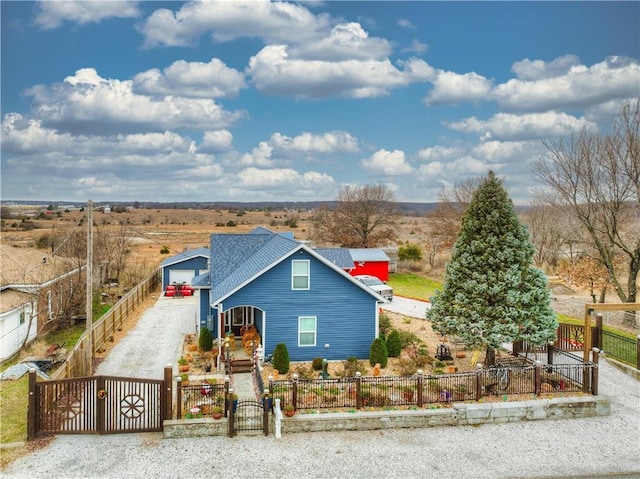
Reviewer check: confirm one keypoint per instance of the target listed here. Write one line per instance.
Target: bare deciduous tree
(597, 177)
(363, 218)
(452, 203)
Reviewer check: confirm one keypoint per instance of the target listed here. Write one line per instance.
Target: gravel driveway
(594, 447)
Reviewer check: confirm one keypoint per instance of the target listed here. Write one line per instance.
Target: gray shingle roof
(185, 256)
(341, 257)
(368, 254)
(237, 258)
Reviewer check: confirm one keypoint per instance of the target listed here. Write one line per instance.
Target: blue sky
(263, 101)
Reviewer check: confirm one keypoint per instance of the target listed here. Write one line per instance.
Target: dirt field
(152, 230)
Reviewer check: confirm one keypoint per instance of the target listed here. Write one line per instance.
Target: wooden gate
(96, 405)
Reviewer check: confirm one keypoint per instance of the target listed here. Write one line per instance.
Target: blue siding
(197, 265)
(345, 313)
(207, 315)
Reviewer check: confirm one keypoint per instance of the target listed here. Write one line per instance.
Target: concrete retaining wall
(460, 414)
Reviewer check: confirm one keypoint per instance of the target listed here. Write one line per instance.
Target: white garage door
(180, 276)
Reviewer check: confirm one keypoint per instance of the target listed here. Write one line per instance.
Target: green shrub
(384, 324)
(205, 340)
(408, 338)
(316, 364)
(164, 250)
(281, 358)
(394, 344)
(410, 252)
(351, 366)
(378, 353)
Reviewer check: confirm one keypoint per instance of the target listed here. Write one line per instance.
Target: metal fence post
(265, 413)
(420, 387)
(227, 383)
(179, 398)
(479, 370)
(594, 372)
(638, 352)
(231, 417)
(294, 393)
(538, 378)
(358, 390)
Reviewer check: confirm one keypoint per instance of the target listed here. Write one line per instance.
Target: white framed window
(307, 331)
(22, 317)
(300, 269)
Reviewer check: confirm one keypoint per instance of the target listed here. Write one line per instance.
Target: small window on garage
(22, 317)
(307, 331)
(300, 274)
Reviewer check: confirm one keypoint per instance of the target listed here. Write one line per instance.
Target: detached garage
(372, 261)
(182, 267)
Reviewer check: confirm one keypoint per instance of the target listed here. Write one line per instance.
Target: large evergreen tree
(492, 294)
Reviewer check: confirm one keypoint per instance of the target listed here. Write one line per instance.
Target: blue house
(182, 267)
(290, 292)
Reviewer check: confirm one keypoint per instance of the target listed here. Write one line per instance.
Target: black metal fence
(620, 347)
(423, 389)
(201, 399)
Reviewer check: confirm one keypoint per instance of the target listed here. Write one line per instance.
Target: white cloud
(329, 142)
(285, 178)
(270, 21)
(53, 14)
(451, 87)
(506, 126)
(416, 47)
(438, 153)
(388, 163)
(508, 151)
(531, 70)
(404, 23)
(579, 87)
(218, 140)
(86, 103)
(190, 79)
(273, 72)
(345, 41)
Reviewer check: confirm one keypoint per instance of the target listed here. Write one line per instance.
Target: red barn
(372, 261)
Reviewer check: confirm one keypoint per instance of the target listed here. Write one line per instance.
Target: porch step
(241, 365)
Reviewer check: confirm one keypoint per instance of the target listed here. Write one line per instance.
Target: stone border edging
(460, 414)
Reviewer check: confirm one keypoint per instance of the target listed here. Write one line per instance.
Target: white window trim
(307, 275)
(315, 331)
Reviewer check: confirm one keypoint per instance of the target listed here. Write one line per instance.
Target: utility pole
(89, 305)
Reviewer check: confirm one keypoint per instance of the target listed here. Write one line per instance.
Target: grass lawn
(413, 286)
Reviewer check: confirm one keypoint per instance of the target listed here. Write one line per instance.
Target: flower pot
(289, 413)
(217, 415)
(408, 395)
(183, 368)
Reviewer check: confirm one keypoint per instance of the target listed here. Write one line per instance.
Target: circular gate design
(132, 406)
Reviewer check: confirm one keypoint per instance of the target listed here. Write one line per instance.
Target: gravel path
(595, 447)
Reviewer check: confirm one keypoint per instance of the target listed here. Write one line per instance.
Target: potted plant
(183, 365)
(407, 392)
(217, 412)
(289, 410)
(184, 379)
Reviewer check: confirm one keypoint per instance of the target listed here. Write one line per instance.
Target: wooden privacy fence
(104, 328)
(98, 405)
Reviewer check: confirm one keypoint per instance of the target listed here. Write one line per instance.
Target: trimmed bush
(281, 358)
(316, 364)
(394, 344)
(205, 340)
(378, 353)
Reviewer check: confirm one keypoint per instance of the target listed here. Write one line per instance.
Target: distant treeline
(416, 209)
